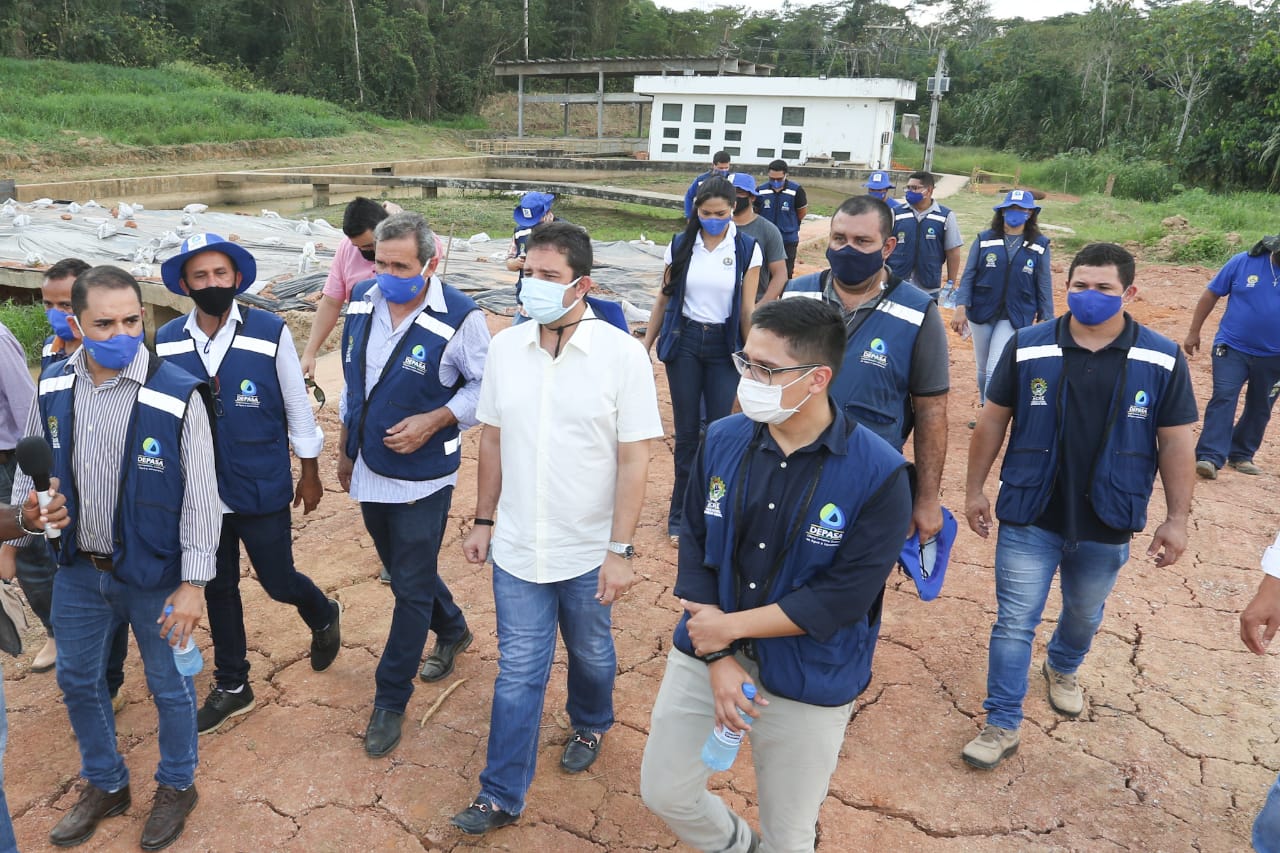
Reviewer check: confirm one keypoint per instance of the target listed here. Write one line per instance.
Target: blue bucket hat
(171, 270)
(879, 181)
(532, 207)
(914, 558)
(1018, 198)
(744, 182)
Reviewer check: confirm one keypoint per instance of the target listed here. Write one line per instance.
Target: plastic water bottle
(722, 745)
(947, 298)
(187, 658)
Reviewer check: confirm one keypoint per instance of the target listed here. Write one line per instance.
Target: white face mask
(763, 403)
(544, 300)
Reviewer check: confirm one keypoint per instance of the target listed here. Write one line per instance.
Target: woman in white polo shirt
(700, 319)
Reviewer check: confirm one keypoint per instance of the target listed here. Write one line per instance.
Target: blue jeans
(8, 844)
(527, 617)
(1266, 829)
(1027, 558)
(268, 540)
(1231, 371)
(989, 341)
(408, 538)
(88, 606)
(703, 383)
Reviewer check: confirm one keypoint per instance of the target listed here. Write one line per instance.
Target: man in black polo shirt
(1098, 402)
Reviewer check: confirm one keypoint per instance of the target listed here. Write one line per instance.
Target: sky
(999, 8)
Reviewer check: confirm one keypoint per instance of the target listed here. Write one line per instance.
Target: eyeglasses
(315, 389)
(216, 387)
(759, 372)
(918, 188)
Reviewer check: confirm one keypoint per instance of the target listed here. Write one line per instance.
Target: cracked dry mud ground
(1175, 752)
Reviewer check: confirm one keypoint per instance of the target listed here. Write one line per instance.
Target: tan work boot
(46, 658)
(991, 747)
(1064, 691)
(1206, 470)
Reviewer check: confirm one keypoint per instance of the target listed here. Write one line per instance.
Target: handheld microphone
(36, 461)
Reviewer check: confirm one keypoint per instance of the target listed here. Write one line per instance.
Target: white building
(758, 119)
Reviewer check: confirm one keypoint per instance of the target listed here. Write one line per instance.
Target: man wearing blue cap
(534, 209)
(878, 186)
(783, 202)
(767, 236)
(1246, 351)
(928, 238)
(793, 518)
(1098, 403)
(247, 356)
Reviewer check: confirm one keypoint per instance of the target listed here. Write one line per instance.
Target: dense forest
(1192, 86)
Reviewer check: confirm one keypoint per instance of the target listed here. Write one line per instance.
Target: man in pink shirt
(352, 264)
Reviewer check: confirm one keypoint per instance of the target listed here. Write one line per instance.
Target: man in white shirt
(569, 408)
(413, 353)
(260, 406)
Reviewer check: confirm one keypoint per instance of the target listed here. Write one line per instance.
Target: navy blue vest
(779, 207)
(673, 318)
(252, 435)
(1123, 473)
(148, 549)
(1006, 286)
(919, 255)
(692, 193)
(409, 385)
(874, 383)
(48, 356)
(799, 668)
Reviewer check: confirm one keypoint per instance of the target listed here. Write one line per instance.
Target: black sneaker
(221, 706)
(326, 642)
(482, 816)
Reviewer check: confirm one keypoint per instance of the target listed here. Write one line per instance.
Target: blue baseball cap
(927, 573)
(1018, 198)
(879, 181)
(171, 270)
(744, 182)
(532, 207)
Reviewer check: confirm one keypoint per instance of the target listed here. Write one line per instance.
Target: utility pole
(526, 30)
(937, 85)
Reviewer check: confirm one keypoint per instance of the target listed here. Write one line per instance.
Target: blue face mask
(543, 300)
(714, 227)
(1016, 217)
(400, 290)
(58, 320)
(777, 185)
(115, 352)
(852, 267)
(1093, 307)
(880, 194)
(913, 197)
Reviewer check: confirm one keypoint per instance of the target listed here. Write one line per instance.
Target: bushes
(28, 324)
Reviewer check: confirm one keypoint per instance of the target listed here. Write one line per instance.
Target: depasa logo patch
(876, 353)
(150, 459)
(1141, 406)
(247, 395)
(416, 360)
(828, 531)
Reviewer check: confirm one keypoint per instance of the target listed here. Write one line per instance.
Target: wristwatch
(199, 584)
(625, 550)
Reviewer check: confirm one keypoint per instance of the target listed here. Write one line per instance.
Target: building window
(735, 114)
(765, 152)
(732, 152)
(672, 112)
(733, 136)
(793, 116)
(671, 133)
(790, 153)
(704, 113)
(792, 138)
(842, 156)
(670, 148)
(702, 133)
(702, 149)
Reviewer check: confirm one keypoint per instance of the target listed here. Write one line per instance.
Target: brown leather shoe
(78, 825)
(168, 816)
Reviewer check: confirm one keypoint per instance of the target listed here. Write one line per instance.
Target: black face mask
(741, 205)
(214, 301)
(368, 254)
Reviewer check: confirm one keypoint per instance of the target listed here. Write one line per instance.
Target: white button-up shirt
(562, 420)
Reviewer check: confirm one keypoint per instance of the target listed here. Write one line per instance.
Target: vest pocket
(158, 525)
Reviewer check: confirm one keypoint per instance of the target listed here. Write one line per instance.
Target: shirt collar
(580, 339)
(192, 326)
(1124, 340)
(835, 438)
(135, 370)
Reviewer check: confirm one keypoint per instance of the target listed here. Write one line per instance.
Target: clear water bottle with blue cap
(186, 657)
(721, 748)
(947, 298)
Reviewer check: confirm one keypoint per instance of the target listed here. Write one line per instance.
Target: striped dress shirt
(102, 416)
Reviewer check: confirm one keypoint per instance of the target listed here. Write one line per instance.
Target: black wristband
(483, 522)
(715, 656)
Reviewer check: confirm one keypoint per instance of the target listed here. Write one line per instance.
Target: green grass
(28, 324)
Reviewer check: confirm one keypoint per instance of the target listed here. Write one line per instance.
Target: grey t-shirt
(769, 237)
